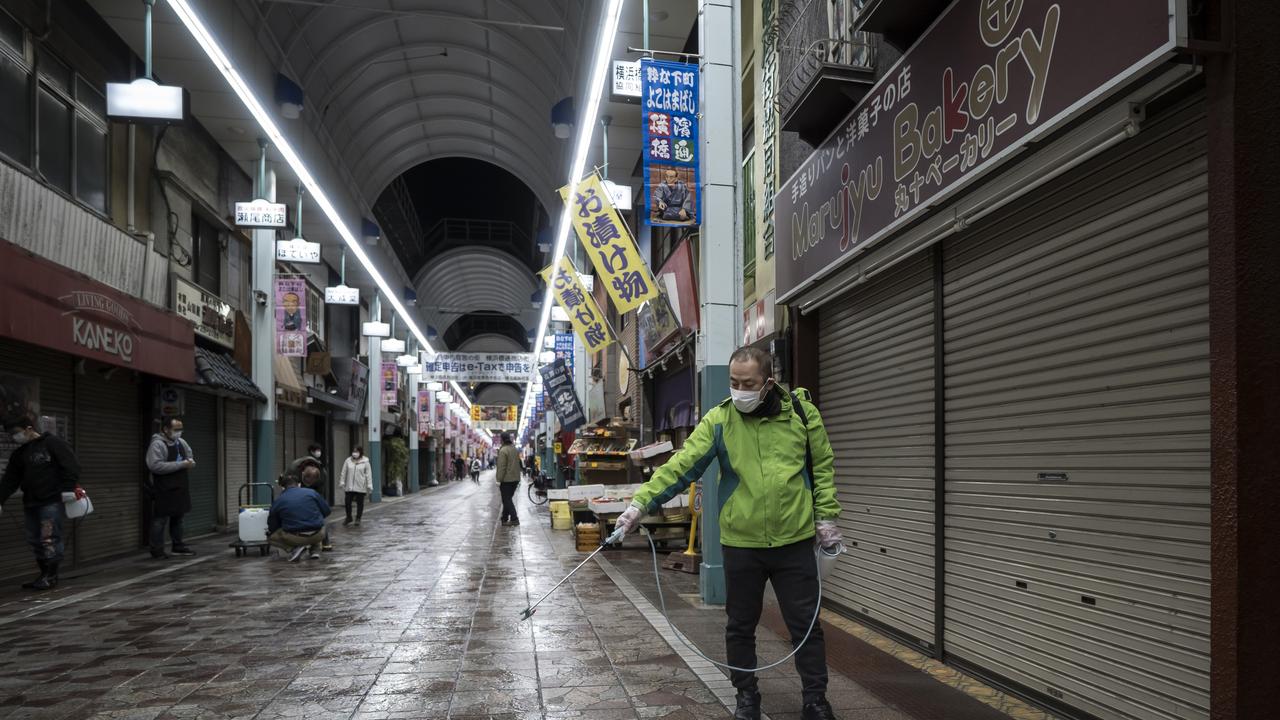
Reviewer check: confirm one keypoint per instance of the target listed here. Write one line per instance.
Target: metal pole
(720, 296)
(375, 402)
(265, 463)
(297, 223)
(646, 24)
(604, 144)
(412, 384)
(147, 37)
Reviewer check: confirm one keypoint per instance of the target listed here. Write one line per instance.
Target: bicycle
(537, 490)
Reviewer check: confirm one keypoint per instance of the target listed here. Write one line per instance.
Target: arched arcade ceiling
(476, 279)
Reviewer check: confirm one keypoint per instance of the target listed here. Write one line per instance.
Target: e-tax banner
(479, 367)
(987, 78)
(609, 245)
(584, 314)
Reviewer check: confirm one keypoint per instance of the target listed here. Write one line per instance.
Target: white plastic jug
(79, 507)
(253, 524)
(827, 558)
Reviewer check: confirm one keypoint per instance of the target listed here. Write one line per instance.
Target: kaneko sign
(987, 78)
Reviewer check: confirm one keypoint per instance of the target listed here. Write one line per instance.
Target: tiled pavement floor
(415, 615)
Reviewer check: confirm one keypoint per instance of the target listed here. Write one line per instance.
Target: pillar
(1244, 358)
(433, 446)
(414, 483)
(719, 291)
(374, 442)
(263, 320)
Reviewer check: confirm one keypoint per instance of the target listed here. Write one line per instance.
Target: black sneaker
(162, 555)
(314, 555)
(748, 706)
(346, 522)
(820, 710)
(327, 547)
(184, 551)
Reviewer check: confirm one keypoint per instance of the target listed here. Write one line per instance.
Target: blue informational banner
(564, 349)
(669, 118)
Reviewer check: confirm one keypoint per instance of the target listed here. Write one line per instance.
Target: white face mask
(316, 454)
(20, 437)
(176, 435)
(748, 400)
(355, 455)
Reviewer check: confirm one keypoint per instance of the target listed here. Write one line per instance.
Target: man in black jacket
(47, 471)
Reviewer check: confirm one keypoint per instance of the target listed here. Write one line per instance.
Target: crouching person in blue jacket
(296, 521)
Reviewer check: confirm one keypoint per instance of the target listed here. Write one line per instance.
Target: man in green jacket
(770, 512)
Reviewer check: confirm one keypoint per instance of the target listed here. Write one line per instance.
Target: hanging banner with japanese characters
(424, 409)
(390, 379)
(495, 417)
(291, 317)
(564, 348)
(479, 367)
(983, 82)
(584, 314)
(608, 242)
(669, 120)
(557, 383)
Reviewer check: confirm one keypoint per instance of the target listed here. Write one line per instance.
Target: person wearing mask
(356, 480)
(295, 522)
(776, 493)
(508, 477)
(475, 470)
(169, 458)
(46, 470)
(314, 458)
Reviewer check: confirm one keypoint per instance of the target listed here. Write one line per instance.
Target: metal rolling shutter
(111, 448)
(200, 430)
(236, 429)
(1077, 342)
(53, 370)
(876, 372)
(342, 444)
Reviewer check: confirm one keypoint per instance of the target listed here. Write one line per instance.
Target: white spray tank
(827, 558)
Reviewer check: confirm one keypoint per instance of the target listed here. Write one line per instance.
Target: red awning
(46, 304)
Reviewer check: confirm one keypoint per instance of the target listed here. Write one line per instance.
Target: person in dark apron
(169, 458)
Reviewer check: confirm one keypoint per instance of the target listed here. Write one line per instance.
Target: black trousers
(359, 498)
(508, 500)
(794, 575)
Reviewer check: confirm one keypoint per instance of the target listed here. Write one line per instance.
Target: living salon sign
(46, 304)
(986, 79)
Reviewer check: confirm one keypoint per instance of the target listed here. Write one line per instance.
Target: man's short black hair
(314, 447)
(748, 353)
(506, 439)
(19, 422)
(167, 422)
(289, 480)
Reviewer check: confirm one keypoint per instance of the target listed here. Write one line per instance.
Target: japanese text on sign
(297, 250)
(584, 315)
(608, 242)
(669, 114)
(479, 367)
(558, 386)
(261, 214)
(291, 317)
(964, 98)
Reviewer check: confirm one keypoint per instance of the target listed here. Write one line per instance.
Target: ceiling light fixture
(586, 128)
(195, 25)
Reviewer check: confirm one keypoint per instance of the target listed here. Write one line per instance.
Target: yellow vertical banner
(609, 244)
(585, 316)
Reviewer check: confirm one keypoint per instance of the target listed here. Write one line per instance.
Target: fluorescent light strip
(586, 129)
(220, 60)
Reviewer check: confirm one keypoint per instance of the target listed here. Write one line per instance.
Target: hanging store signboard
(213, 319)
(479, 367)
(495, 417)
(608, 243)
(298, 250)
(985, 80)
(261, 214)
(558, 384)
(424, 409)
(669, 117)
(46, 304)
(626, 81)
(584, 313)
(390, 381)
(341, 295)
(291, 317)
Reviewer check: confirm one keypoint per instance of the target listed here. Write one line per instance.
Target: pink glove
(828, 533)
(627, 523)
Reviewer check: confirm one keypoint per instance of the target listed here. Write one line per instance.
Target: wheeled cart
(253, 521)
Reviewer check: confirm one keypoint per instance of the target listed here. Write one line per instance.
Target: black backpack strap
(798, 409)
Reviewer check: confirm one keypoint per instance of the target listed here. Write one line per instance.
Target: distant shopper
(475, 470)
(296, 520)
(459, 467)
(169, 458)
(47, 471)
(508, 476)
(356, 480)
(531, 465)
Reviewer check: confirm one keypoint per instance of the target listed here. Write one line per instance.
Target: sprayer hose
(817, 610)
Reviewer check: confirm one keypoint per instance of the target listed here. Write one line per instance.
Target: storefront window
(15, 94)
(55, 140)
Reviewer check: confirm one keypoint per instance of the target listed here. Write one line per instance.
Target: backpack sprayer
(824, 561)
